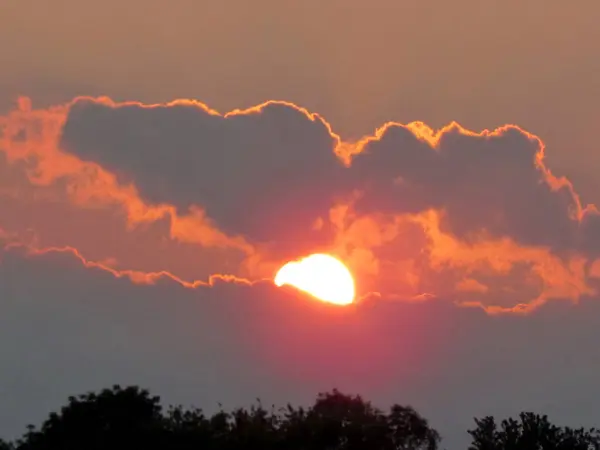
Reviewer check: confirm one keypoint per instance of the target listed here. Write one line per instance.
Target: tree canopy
(530, 432)
(132, 418)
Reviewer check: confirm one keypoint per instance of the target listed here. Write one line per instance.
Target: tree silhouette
(130, 418)
(530, 432)
(342, 422)
(113, 418)
(6, 445)
(191, 429)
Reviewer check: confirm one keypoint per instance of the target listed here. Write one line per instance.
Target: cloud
(265, 173)
(181, 191)
(493, 180)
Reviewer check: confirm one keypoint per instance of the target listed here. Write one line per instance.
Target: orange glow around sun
(320, 275)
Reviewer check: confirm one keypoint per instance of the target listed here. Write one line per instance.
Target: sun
(322, 276)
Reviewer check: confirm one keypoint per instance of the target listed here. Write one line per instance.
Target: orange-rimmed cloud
(135, 276)
(180, 189)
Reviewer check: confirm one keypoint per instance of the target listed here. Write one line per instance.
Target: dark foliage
(531, 432)
(113, 418)
(130, 418)
(6, 445)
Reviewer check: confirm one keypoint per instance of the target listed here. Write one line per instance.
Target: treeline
(131, 418)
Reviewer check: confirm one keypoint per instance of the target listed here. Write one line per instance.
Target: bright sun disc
(321, 276)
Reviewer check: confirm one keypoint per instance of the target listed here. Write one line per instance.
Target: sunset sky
(160, 161)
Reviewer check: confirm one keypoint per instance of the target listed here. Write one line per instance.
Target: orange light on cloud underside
(322, 276)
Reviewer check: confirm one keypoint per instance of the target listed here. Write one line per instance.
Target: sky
(160, 161)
